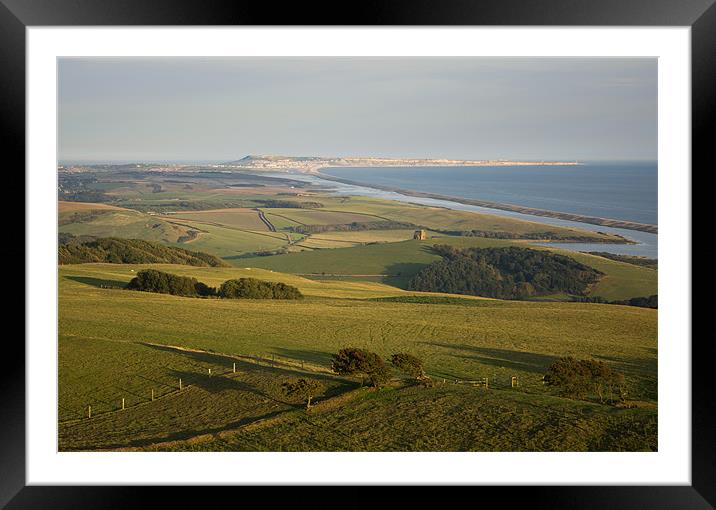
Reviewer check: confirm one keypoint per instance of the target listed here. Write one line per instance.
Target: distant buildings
(420, 235)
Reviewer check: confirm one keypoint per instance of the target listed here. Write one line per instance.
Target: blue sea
(622, 191)
(625, 191)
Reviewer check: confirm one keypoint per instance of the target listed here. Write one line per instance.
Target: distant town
(312, 164)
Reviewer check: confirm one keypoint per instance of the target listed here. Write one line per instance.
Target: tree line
(152, 280)
(536, 236)
(350, 227)
(74, 250)
(643, 301)
(288, 204)
(504, 273)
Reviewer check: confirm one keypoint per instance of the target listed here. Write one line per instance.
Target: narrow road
(263, 218)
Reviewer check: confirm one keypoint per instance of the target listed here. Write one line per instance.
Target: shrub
(354, 361)
(411, 365)
(576, 378)
(251, 288)
(305, 389)
(151, 280)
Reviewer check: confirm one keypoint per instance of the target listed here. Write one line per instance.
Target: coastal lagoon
(622, 191)
(646, 243)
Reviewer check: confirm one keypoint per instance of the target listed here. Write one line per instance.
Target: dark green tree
(355, 361)
(251, 288)
(305, 389)
(409, 364)
(577, 378)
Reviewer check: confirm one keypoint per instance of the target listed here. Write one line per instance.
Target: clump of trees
(579, 378)
(79, 250)
(355, 361)
(289, 204)
(643, 302)
(151, 280)
(505, 273)
(354, 226)
(367, 364)
(251, 288)
(305, 389)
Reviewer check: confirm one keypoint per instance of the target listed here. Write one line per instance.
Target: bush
(305, 389)
(251, 288)
(409, 364)
(151, 280)
(354, 361)
(576, 378)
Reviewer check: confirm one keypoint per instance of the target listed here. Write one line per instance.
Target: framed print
(423, 250)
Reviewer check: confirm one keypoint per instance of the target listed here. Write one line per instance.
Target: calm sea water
(646, 243)
(623, 191)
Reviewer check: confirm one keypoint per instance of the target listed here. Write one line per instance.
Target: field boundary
(272, 362)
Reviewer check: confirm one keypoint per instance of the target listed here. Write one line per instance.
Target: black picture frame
(16, 15)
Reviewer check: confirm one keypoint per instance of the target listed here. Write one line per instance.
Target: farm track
(263, 218)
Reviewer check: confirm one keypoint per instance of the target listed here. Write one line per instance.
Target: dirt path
(263, 218)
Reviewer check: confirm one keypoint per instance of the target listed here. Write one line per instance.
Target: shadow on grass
(317, 357)
(217, 382)
(501, 358)
(98, 282)
(400, 274)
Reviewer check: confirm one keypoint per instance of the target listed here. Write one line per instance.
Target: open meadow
(160, 372)
(135, 342)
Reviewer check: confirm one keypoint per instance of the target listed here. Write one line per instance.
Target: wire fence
(158, 390)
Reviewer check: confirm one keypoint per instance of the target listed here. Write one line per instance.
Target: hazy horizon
(211, 110)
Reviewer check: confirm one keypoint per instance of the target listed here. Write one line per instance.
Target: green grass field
(399, 261)
(126, 224)
(441, 218)
(245, 219)
(116, 344)
(104, 356)
(446, 418)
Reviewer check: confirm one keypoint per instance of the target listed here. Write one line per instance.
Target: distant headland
(312, 164)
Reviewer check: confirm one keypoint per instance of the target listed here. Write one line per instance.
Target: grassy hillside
(128, 345)
(446, 418)
(106, 356)
(98, 220)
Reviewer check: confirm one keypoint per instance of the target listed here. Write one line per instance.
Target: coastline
(594, 220)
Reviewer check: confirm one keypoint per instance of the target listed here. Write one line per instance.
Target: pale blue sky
(220, 109)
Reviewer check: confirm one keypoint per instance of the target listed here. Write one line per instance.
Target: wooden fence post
(89, 411)
(152, 394)
(122, 403)
(180, 384)
(234, 367)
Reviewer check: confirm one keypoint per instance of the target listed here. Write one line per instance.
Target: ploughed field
(118, 344)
